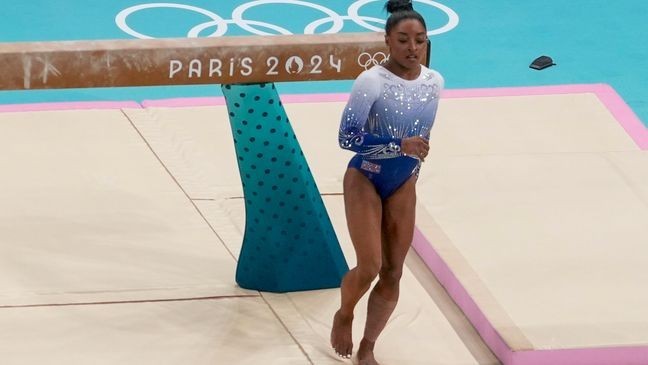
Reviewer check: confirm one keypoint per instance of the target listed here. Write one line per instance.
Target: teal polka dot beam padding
(289, 243)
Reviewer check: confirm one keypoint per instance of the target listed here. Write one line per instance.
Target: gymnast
(387, 123)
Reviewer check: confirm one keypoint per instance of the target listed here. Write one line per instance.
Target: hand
(415, 146)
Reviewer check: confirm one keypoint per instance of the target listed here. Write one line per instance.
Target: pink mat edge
(77, 105)
(183, 102)
(627, 355)
(460, 296)
(211, 101)
(623, 114)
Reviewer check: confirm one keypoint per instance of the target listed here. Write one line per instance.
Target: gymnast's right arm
(351, 136)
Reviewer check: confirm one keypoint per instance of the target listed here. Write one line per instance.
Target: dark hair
(401, 10)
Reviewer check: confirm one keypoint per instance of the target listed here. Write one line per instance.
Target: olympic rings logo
(336, 20)
(367, 60)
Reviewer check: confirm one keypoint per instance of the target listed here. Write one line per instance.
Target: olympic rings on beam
(367, 60)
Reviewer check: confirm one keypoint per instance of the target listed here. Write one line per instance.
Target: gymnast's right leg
(364, 214)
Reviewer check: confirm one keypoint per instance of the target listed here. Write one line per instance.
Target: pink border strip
(38, 107)
(637, 355)
(183, 102)
(519, 91)
(197, 102)
(624, 114)
(460, 296)
(315, 98)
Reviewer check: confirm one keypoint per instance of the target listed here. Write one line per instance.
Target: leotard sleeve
(365, 91)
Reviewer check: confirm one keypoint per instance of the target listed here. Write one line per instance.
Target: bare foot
(365, 353)
(341, 339)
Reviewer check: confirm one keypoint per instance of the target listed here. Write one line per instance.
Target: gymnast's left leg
(397, 233)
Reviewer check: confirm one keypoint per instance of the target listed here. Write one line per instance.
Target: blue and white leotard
(382, 110)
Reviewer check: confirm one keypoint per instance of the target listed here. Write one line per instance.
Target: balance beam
(187, 61)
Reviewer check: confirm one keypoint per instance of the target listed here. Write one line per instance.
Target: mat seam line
(112, 302)
(460, 320)
(301, 348)
(178, 184)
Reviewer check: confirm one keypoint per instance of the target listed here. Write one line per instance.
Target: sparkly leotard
(382, 110)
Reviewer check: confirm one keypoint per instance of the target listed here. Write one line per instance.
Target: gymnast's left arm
(351, 136)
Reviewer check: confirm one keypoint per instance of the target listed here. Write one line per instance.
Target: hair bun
(393, 6)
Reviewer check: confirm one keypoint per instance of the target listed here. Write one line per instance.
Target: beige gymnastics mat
(537, 203)
(196, 145)
(216, 332)
(544, 197)
(89, 214)
(543, 204)
(418, 332)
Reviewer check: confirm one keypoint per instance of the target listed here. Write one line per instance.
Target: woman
(387, 122)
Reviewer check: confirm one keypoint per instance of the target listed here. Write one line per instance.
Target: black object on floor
(541, 62)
